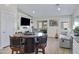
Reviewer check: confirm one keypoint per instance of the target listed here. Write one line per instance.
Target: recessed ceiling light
(33, 12)
(58, 9)
(57, 4)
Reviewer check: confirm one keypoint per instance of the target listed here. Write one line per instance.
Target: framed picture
(53, 23)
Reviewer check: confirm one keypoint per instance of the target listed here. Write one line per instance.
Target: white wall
(76, 13)
(76, 17)
(0, 30)
(67, 19)
(52, 30)
(8, 16)
(9, 9)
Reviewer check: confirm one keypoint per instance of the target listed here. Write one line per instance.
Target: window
(42, 25)
(64, 25)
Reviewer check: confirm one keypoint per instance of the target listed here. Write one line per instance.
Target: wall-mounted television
(25, 21)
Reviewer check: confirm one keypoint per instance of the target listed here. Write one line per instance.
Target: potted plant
(44, 31)
(76, 31)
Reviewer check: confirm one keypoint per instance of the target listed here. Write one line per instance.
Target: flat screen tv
(25, 21)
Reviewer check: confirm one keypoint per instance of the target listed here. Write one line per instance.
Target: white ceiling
(47, 10)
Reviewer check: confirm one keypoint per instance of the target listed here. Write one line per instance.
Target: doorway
(42, 26)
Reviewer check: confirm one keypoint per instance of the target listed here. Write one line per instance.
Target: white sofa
(65, 41)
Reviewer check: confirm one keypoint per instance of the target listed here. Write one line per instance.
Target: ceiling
(47, 10)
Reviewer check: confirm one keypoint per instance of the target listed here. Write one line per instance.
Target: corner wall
(8, 16)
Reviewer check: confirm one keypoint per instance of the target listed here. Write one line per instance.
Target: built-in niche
(53, 23)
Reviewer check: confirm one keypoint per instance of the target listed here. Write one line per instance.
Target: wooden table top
(26, 36)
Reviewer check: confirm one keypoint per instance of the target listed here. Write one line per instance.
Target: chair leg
(16, 52)
(12, 51)
(43, 50)
(21, 51)
(36, 51)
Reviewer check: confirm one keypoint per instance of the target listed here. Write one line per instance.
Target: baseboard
(6, 46)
